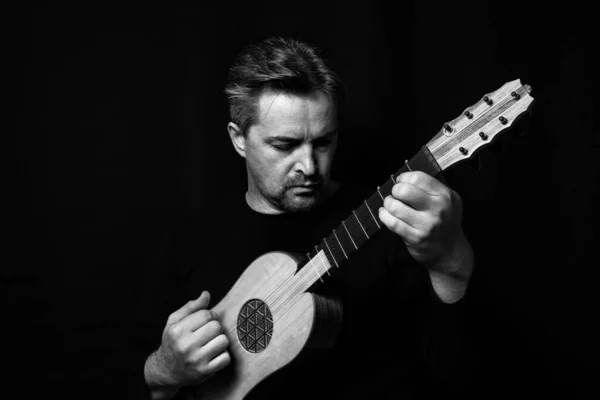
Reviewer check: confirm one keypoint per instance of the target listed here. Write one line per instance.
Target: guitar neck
(457, 140)
(362, 224)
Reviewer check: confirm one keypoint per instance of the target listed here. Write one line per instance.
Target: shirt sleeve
(441, 330)
(448, 344)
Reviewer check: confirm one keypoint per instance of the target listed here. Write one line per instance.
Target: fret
(330, 252)
(425, 162)
(379, 193)
(349, 235)
(361, 226)
(355, 230)
(367, 220)
(336, 248)
(386, 189)
(345, 239)
(340, 243)
(371, 212)
(375, 202)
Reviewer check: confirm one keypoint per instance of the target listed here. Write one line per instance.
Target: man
(284, 104)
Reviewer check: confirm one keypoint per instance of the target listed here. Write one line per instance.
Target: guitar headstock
(479, 124)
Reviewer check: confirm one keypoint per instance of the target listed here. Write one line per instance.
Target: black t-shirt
(387, 298)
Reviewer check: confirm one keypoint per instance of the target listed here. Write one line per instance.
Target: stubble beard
(290, 202)
(287, 201)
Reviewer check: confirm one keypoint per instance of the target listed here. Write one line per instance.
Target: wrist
(457, 262)
(451, 273)
(158, 380)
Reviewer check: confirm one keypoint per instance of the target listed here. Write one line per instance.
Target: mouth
(305, 189)
(308, 187)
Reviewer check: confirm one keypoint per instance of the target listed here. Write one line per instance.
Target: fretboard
(362, 224)
(456, 141)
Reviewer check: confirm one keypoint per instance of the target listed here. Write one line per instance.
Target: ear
(237, 139)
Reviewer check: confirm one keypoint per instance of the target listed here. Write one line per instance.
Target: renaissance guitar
(270, 315)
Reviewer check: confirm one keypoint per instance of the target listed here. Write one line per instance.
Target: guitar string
(284, 284)
(270, 297)
(304, 282)
(298, 287)
(303, 279)
(236, 345)
(280, 289)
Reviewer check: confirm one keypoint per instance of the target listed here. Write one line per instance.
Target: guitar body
(268, 326)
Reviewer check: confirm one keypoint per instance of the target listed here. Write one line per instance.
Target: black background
(121, 125)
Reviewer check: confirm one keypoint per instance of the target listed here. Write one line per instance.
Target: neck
(260, 205)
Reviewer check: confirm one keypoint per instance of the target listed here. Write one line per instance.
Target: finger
(213, 348)
(208, 332)
(219, 362)
(425, 182)
(412, 195)
(401, 211)
(401, 228)
(198, 319)
(190, 307)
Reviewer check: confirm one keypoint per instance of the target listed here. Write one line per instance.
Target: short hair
(281, 65)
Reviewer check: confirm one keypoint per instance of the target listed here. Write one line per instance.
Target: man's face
(289, 151)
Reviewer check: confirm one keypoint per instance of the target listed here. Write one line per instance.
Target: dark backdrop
(121, 125)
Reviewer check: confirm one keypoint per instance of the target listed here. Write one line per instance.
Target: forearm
(157, 381)
(450, 275)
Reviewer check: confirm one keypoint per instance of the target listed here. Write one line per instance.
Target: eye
(284, 147)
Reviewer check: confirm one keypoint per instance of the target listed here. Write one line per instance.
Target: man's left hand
(427, 215)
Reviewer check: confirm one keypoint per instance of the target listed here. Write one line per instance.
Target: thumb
(190, 307)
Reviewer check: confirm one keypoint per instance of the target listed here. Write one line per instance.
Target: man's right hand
(193, 348)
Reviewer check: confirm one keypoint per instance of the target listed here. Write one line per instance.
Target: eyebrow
(282, 138)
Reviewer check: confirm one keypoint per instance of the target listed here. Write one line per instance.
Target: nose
(306, 162)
